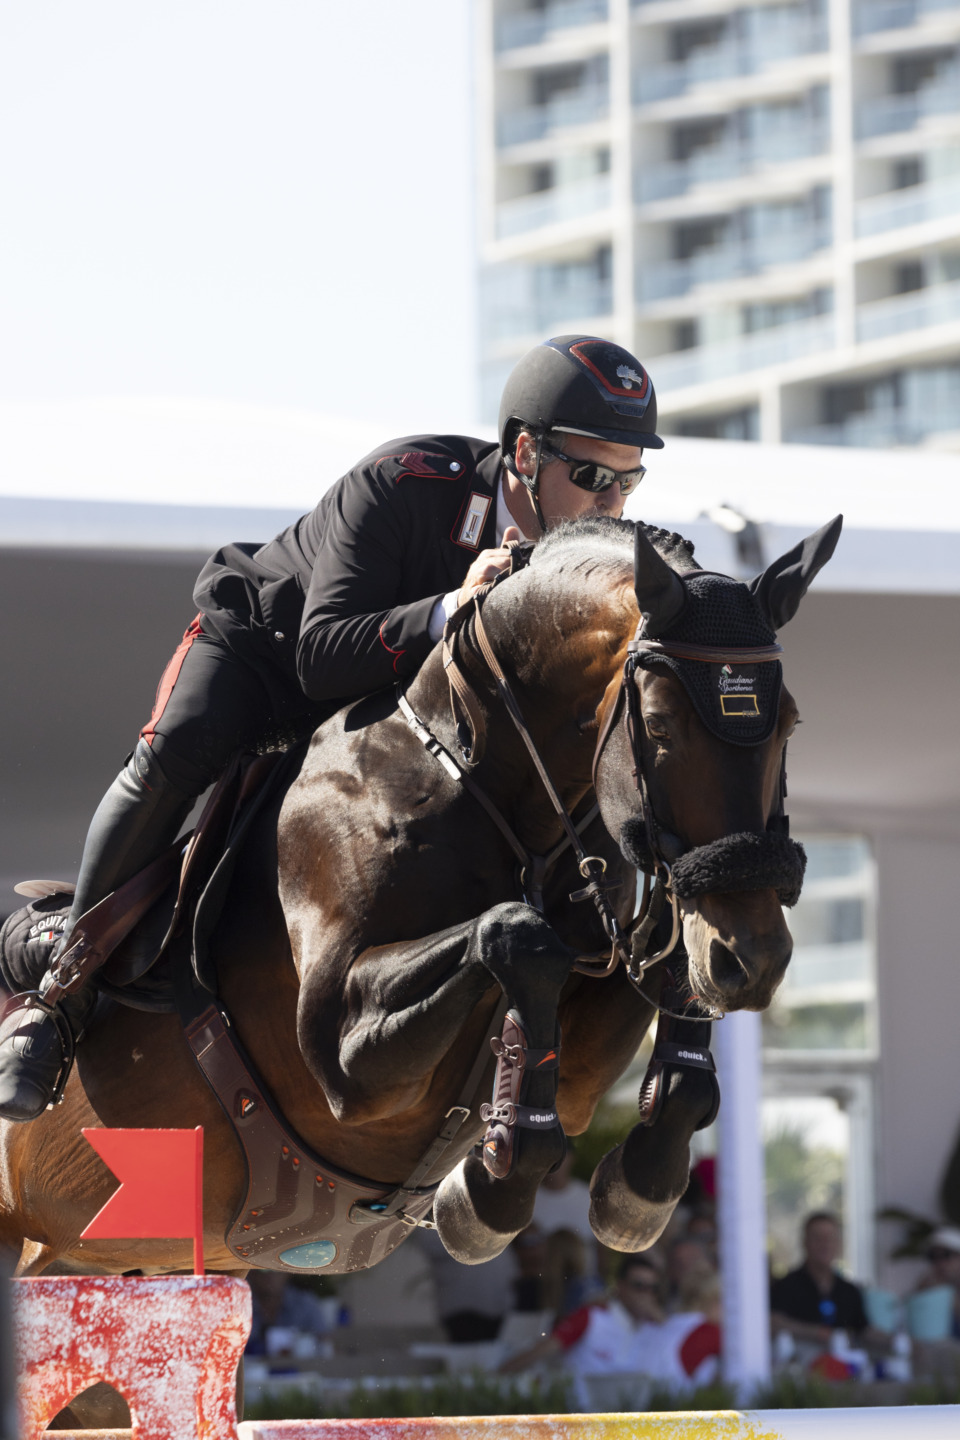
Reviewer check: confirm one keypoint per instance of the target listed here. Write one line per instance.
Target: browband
(714, 654)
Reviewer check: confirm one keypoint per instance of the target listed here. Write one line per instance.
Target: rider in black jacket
(346, 601)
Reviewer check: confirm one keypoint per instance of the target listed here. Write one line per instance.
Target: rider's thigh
(213, 705)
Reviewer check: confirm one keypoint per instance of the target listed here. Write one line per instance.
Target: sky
(261, 202)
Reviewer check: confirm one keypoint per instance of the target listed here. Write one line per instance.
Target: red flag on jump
(161, 1186)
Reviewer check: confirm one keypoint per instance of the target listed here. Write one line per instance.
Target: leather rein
(629, 947)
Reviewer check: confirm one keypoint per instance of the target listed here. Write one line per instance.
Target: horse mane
(605, 543)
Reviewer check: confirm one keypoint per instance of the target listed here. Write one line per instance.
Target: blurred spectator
(688, 1262)
(471, 1299)
(531, 1284)
(279, 1306)
(692, 1334)
(629, 1335)
(943, 1253)
(605, 1338)
(815, 1300)
(563, 1203)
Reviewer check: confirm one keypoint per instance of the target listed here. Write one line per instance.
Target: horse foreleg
(376, 1046)
(635, 1188)
(476, 1212)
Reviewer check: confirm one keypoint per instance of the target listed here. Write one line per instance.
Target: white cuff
(441, 613)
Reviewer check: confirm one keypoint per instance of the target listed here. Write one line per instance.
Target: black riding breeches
(211, 703)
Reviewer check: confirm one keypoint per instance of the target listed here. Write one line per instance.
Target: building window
(820, 1041)
(733, 425)
(828, 998)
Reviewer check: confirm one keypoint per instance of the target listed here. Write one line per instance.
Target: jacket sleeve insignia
(422, 463)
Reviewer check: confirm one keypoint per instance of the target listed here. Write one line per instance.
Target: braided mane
(602, 538)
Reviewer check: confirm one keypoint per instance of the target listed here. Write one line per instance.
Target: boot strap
(523, 1115)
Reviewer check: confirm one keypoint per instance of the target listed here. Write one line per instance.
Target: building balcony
(725, 162)
(905, 407)
(748, 352)
(532, 302)
(887, 114)
(533, 27)
(573, 107)
(670, 278)
(727, 61)
(914, 205)
(934, 305)
(553, 207)
(875, 430)
(872, 15)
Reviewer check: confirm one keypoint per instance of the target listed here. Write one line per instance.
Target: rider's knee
(164, 762)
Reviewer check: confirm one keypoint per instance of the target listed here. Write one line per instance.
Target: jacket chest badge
(474, 517)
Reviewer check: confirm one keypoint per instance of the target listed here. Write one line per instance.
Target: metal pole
(741, 1205)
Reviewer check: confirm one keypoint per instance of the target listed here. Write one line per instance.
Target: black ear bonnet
(736, 702)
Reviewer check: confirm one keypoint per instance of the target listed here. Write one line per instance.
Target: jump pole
(921, 1422)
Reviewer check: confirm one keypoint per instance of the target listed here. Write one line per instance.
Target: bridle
(627, 947)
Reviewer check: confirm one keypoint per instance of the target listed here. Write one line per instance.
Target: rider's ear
(525, 453)
(781, 587)
(659, 590)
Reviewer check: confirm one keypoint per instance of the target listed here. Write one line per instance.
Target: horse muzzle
(768, 860)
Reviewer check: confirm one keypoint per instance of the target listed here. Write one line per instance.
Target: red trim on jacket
(395, 653)
(169, 678)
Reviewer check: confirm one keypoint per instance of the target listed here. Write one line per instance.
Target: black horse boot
(135, 821)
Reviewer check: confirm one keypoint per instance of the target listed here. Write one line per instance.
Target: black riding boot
(135, 821)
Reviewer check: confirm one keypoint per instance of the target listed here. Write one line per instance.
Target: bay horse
(376, 919)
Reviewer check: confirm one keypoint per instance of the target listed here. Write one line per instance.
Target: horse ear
(781, 587)
(659, 590)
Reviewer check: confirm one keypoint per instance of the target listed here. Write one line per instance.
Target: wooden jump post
(171, 1345)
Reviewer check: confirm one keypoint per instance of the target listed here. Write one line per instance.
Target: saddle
(133, 939)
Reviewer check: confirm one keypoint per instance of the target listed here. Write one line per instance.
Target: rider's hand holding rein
(487, 566)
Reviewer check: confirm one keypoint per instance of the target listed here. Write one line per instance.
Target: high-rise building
(761, 199)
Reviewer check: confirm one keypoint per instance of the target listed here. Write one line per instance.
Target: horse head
(705, 727)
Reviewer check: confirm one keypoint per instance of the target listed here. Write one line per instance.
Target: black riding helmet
(580, 385)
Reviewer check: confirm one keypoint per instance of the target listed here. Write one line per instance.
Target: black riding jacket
(340, 601)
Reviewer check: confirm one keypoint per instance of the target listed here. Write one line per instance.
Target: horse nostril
(726, 971)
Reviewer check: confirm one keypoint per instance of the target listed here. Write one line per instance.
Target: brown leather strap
(463, 700)
(99, 931)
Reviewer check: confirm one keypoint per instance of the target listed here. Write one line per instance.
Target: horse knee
(508, 938)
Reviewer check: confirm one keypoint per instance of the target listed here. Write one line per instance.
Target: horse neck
(562, 651)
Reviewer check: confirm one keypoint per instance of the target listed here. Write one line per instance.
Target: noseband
(736, 862)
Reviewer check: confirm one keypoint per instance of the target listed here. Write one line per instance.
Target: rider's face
(560, 499)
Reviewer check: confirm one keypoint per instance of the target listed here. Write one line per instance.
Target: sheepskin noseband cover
(748, 861)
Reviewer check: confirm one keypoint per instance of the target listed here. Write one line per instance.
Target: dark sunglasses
(650, 1287)
(587, 475)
